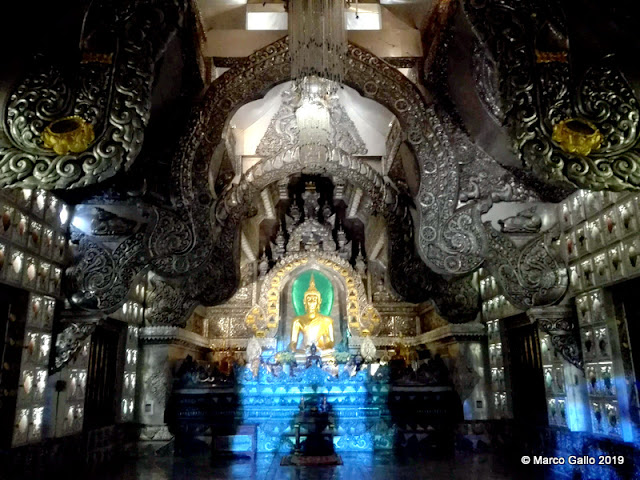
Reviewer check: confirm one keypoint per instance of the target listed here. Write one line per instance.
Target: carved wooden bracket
(69, 342)
(559, 322)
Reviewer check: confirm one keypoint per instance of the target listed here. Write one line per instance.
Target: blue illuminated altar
(359, 403)
(372, 407)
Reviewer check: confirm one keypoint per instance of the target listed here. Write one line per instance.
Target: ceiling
(225, 24)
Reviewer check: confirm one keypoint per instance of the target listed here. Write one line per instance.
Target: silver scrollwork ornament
(44, 96)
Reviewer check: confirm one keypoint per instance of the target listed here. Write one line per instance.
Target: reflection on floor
(357, 466)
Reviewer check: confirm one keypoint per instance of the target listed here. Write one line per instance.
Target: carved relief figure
(526, 221)
(108, 223)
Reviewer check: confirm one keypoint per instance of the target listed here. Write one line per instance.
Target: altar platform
(369, 412)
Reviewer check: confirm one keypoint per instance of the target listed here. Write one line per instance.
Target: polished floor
(357, 466)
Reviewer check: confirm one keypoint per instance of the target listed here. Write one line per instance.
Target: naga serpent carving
(168, 305)
(100, 278)
(585, 136)
(196, 238)
(184, 239)
(112, 98)
(69, 342)
(530, 276)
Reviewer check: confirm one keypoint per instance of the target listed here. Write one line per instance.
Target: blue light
(357, 402)
(81, 224)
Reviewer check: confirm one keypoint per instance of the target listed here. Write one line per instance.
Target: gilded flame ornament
(68, 134)
(577, 136)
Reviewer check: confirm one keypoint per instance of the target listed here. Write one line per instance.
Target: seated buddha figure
(316, 329)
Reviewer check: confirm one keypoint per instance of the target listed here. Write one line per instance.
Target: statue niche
(311, 328)
(341, 309)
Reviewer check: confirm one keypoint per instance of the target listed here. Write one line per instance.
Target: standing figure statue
(315, 328)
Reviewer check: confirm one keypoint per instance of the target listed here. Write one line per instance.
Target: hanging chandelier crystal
(317, 45)
(315, 140)
(314, 123)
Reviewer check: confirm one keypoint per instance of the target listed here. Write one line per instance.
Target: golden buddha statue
(315, 328)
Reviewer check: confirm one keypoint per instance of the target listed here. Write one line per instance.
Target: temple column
(464, 348)
(563, 368)
(163, 348)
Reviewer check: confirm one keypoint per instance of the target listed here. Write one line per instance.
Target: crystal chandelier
(314, 122)
(317, 47)
(316, 131)
(317, 44)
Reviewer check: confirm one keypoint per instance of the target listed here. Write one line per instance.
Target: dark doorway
(526, 375)
(13, 318)
(103, 386)
(627, 302)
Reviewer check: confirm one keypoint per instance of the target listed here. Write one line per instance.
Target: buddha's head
(312, 298)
